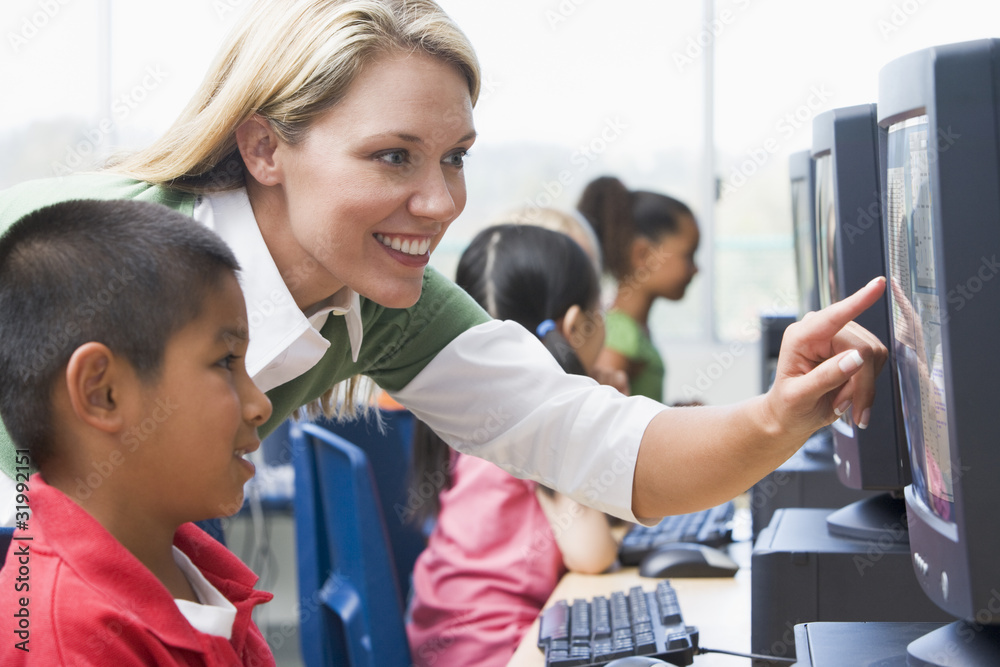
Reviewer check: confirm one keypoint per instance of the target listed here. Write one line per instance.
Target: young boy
(122, 378)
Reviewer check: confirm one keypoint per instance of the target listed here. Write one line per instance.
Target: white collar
(284, 341)
(216, 614)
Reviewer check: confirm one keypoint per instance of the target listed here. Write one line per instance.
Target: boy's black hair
(127, 274)
(522, 273)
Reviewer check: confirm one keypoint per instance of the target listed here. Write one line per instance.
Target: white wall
(713, 373)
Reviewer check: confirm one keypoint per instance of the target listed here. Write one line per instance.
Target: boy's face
(199, 419)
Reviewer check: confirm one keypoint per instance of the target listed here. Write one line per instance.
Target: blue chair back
(6, 535)
(351, 610)
(389, 452)
(214, 528)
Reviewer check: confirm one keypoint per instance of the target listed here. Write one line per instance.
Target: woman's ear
(258, 143)
(94, 382)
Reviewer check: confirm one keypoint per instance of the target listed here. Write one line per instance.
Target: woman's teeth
(407, 246)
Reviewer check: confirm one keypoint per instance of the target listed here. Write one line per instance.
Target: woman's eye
(393, 157)
(227, 361)
(457, 159)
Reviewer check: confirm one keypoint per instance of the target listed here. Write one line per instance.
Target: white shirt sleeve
(495, 392)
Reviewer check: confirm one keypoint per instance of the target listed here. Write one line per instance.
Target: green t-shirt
(626, 337)
(397, 344)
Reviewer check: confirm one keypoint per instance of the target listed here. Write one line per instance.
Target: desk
(720, 608)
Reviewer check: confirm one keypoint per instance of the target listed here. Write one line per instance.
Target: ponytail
(607, 205)
(619, 216)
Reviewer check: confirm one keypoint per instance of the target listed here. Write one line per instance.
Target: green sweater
(625, 336)
(398, 343)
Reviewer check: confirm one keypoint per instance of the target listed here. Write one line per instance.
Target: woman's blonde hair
(289, 61)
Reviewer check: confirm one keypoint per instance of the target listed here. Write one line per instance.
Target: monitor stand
(957, 644)
(877, 518)
(830, 644)
(962, 643)
(807, 479)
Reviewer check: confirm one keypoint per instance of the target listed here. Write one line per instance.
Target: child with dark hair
(648, 241)
(500, 544)
(122, 379)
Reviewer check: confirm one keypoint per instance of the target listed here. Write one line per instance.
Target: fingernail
(851, 362)
(842, 408)
(865, 416)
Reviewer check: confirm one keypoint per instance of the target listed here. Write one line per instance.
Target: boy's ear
(94, 383)
(258, 142)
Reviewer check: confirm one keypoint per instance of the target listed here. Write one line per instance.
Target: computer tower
(800, 573)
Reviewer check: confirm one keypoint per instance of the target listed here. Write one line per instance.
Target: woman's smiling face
(370, 191)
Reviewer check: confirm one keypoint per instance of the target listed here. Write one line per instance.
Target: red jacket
(73, 595)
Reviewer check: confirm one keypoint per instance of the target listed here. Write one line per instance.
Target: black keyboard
(589, 633)
(712, 527)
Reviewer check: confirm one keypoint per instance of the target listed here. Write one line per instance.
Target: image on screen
(826, 232)
(805, 255)
(916, 314)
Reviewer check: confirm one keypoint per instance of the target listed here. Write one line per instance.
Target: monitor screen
(827, 251)
(849, 253)
(916, 313)
(938, 109)
(804, 230)
(826, 232)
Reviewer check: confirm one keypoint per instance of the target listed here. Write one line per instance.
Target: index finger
(827, 322)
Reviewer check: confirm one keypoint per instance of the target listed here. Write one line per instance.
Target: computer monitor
(849, 253)
(939, 108)
(800, 174)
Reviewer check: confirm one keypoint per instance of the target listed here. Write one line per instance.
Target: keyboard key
(590, 633)
(712, 526)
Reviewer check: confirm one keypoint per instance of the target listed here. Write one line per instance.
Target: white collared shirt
(284, 342)
(494, 391)
(215, 614)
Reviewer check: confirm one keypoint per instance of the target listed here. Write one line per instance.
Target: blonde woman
(326, 146)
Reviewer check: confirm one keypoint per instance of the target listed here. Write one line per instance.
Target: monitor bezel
(801, 168)
(958, 574)
(875, 458)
